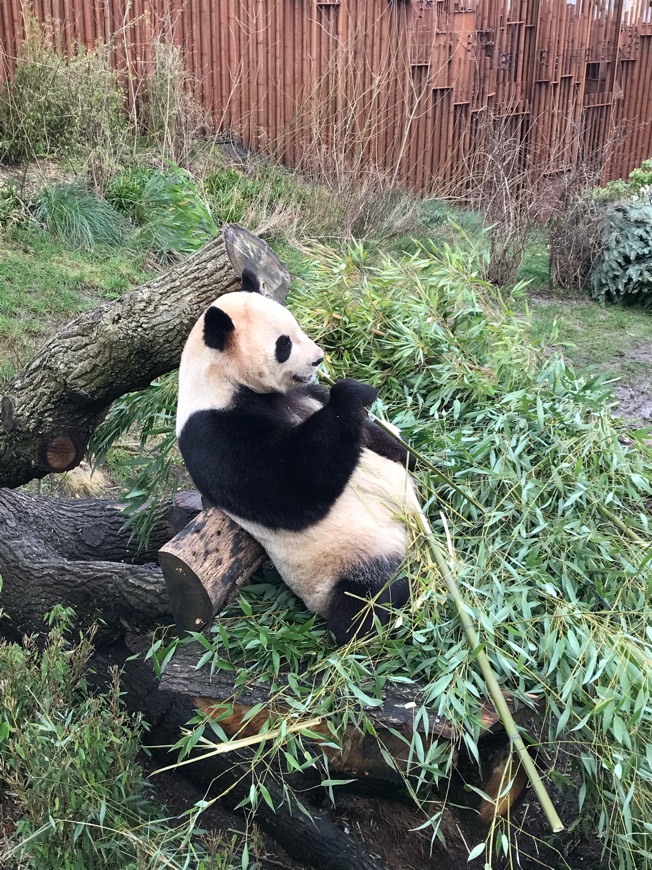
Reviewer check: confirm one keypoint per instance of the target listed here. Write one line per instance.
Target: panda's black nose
(318, 361)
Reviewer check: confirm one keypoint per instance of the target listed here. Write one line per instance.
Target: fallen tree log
(79, 554)
(308, 837)
(394, 721)
(49, 411)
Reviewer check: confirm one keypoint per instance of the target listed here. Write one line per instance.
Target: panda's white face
(266, 350)
(243, 339)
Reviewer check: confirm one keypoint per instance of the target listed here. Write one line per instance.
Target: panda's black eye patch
(283, 348)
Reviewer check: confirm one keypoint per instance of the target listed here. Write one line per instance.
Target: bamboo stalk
(491, 682)
(425, 462)
(616, 521)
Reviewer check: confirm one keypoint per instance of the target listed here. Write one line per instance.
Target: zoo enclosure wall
(407, 86)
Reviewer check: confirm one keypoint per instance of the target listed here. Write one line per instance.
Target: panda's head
(244, 339)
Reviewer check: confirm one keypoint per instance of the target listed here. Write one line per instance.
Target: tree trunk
(49, 411)
(78, 553)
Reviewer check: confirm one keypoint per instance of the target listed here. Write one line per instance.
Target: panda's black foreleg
(357, 599)
(323, 451)
(375, 438)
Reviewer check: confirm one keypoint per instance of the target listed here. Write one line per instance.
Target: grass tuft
(80, 219)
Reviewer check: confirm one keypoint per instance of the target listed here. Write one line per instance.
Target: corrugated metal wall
(405, 86)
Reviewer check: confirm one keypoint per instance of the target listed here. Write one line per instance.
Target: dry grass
(168, 112)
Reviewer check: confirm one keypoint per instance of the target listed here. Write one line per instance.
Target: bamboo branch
(493, 687)
(473, 638)
(425, 462)
(616, 521)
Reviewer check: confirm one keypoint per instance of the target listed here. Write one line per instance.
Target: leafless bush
(59, 103)
(577, 217)
(338, 139)
(364, 202)
(502, 185)
(169, 113)
(574, 238)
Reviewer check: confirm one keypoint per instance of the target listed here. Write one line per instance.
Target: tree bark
(49, 411)
(78, 553)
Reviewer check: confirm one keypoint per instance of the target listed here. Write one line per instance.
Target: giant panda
(302, 469)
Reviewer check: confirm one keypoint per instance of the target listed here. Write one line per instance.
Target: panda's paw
(353, 392)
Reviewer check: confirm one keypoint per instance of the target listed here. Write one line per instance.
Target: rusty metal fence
(404, 86)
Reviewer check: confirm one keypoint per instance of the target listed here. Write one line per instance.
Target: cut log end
(205, 565)
(247, 251)
(61, 452)
(189, 600)
(505, 782)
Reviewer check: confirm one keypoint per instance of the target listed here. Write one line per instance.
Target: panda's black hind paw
(351, 613)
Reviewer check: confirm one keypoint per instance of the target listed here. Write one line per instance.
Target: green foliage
(125, 192)
(68, 757)
(231, 193)
(639, 186)
(167, 206)
(174, 218)
(74, 215)
(641, 178)
(623, 271)
(58, 104)
(154, 469)
(555, 567)
(234, 193)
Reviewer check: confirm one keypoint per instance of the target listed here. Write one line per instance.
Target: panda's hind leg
(363, 594)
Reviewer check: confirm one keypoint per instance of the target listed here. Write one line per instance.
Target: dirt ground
(635, 398)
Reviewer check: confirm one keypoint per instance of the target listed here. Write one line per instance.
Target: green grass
(42, 283)
(608, 336)
(535, 267)
(612, 338)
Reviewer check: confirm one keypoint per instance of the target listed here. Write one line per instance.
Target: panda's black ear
(218, 327)
(250, 282)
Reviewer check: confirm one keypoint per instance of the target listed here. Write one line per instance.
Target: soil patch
(178, 795)
(635, 398)
(635, 401)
